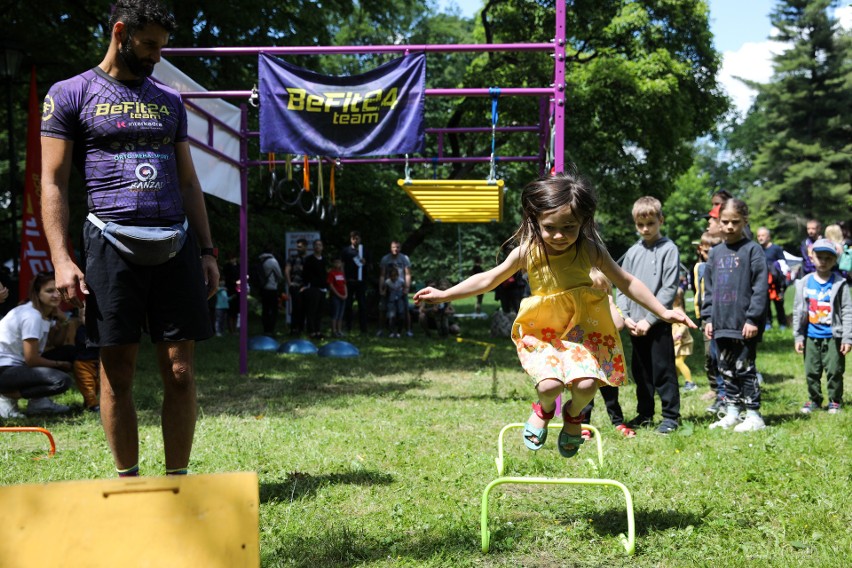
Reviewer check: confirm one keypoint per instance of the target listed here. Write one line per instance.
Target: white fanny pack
(147, 246)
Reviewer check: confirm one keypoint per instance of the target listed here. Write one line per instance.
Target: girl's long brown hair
(552, 192)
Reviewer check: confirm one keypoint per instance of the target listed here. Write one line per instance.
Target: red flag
(35, 254)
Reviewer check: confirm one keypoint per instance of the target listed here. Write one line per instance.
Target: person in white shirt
(24, 371)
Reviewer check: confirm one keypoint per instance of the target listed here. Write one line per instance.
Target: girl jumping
(564, 333)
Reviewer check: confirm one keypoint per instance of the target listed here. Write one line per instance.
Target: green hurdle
(629, 542)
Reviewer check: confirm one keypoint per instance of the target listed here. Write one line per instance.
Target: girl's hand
(749, 331)
(429, 295)
(673, 316)
(845, 348)
(708, 331)
(800, 348)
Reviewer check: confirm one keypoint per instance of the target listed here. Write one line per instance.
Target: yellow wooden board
(457, 201)
(195, 520)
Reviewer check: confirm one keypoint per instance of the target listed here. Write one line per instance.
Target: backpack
(844, 263)
(257, 276)
(501, 324)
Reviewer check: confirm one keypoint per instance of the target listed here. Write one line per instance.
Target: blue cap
(824, 245)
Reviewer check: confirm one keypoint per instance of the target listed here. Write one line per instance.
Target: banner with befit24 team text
(376, 113)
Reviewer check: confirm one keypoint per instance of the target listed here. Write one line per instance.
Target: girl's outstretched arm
(633, 288)
(476, 284)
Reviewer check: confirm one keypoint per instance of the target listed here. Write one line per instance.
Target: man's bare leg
(118, 414)
(176, 362)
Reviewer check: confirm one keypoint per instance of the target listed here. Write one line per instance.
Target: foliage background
(641, 87)
(645, 113)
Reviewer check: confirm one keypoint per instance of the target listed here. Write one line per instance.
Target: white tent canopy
(217, 176)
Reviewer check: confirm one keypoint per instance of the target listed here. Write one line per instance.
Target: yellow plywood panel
(457, 201)
(194, 520)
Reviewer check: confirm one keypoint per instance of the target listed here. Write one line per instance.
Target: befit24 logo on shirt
(133, 109)
(147, 176)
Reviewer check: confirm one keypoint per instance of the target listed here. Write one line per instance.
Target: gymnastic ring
(320, 208)
(273, 179)
(289, 192)
(331, 214)
(300, 201)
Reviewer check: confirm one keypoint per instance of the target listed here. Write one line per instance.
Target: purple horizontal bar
(475, 129)
(455, 130)
(512, 92)
(342, 49)
(444, 160)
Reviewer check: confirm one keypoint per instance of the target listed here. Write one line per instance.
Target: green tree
(797, 139)
(641, 88)
(684, 211)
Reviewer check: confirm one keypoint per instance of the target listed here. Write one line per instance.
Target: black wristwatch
(210, 252)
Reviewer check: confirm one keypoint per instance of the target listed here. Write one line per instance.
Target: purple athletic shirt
(124, 136)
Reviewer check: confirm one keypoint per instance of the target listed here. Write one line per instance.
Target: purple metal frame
(553, 106)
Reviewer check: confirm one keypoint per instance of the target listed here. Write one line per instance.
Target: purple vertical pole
(559, 104)
(559, 89)
(243, 240)
(543, 134)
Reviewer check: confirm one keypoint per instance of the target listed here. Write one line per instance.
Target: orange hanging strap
(306, 179)
(270, 161)
(331, 184)
(320, 187)
(288, 166)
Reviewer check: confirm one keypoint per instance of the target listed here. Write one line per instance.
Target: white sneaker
(9, 408)
(728, 420)
(752, 423)
(45, 406)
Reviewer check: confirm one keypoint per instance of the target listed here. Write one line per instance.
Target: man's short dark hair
(302, 242)
(136, 14)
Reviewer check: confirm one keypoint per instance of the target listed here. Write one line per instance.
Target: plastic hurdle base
(629, 542)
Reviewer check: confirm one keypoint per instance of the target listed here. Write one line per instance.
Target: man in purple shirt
(127, 136)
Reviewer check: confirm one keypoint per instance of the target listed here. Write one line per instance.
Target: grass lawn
(381, 460)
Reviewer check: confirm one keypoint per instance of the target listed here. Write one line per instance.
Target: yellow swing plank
(457, 200)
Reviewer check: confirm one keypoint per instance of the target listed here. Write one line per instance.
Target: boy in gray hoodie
(822, 327)
(655, 262)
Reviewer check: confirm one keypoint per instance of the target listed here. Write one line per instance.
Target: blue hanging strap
(495, 94)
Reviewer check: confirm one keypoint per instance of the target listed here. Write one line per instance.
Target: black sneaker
(640, 422)
(667, 426)
(716, 406)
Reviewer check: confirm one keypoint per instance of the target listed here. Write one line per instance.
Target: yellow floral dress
(564, 330)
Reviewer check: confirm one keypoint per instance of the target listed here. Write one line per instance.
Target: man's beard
(135, 65)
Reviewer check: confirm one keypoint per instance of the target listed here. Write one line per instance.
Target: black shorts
(169, 301)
